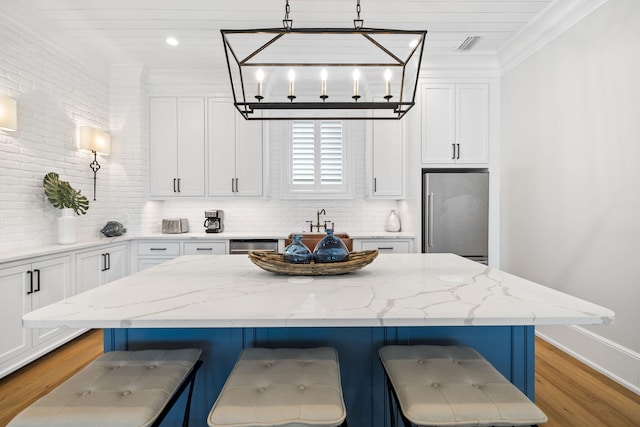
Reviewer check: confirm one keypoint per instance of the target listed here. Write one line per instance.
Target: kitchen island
(224, 303)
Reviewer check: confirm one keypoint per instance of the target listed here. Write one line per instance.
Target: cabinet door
(191, 147)
(222, 135)
(14, 286)
(52, 283)
(117, 264)
(387, 159)
(163, 147)
(472, 123)
(88, 270)
(438, 123)
(248, 157)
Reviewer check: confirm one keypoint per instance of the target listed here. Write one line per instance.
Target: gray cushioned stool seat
(281, 387)
(454, 386)
(120, 388)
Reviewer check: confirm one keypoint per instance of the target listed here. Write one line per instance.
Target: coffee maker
(213, 221)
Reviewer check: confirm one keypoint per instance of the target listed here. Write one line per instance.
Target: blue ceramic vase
(297, 252)
(330, 249)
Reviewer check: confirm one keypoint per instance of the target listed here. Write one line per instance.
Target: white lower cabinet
(155, 252)
(205, 248)
(97, 267)
(390, 246)
(26, 287)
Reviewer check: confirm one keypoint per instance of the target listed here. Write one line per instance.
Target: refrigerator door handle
(430, 213)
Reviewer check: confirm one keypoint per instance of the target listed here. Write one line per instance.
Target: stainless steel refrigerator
(456, 213)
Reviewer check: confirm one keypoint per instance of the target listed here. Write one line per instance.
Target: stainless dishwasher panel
(243, 246)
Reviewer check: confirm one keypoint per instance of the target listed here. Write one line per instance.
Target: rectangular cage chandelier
(329, 73)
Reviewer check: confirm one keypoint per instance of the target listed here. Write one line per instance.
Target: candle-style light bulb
(387, 79)
(292, 77)
(356, 78)
(323, 91)
(260, 78)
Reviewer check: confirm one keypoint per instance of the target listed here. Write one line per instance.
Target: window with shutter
(316, 158)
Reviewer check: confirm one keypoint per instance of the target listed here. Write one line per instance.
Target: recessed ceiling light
(172, 41)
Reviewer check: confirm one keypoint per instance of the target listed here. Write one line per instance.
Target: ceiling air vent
(468, 43)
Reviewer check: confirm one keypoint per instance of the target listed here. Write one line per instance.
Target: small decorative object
(330, 249)
(63, 196)
(297, 252)
(275, 263)
(393, 221)
(113, 228)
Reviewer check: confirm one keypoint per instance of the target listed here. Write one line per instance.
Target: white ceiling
(125, 31)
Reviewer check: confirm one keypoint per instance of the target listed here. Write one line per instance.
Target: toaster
(175, 225)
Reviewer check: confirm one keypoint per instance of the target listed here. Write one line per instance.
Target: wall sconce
(96, 141)
(8, 114)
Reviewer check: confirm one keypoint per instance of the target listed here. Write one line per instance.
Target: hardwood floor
(573, 394)
(23, 387)
(569, 392)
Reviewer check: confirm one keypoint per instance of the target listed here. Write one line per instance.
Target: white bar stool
(119, 388)
(282, 387)
(453, 386)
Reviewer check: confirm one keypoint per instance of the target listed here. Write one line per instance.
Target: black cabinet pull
(174, 185)
(458, 157)
(375, 184)
(30, 274)
(237, 186)
(178, 185)
(37, 289)
(204, 249)
(108, 261)
(158, 249)
(453, 151)
(104, 262)
(389, 248)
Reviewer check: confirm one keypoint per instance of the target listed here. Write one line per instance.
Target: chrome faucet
(317, 225)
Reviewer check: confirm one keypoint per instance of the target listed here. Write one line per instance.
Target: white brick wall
(54, 94)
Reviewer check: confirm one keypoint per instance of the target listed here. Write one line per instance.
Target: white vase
(67, 227)
(393, 221)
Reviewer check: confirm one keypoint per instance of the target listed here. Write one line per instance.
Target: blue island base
(509, 348)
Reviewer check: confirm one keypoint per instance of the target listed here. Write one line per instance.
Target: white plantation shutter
(317, 156)
(303, 153)
(331, 153)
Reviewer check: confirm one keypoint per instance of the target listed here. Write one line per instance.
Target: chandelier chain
(287, 9)
(358, 9)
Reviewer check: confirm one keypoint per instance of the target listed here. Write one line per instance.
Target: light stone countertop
(395, 290)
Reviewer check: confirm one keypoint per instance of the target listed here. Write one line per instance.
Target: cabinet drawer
(205, 248)
(387, 246)
(159, 248)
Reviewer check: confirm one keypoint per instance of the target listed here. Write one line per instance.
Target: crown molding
(557, 18)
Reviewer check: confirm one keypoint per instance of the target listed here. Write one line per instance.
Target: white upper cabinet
(455, 123)
(176, 147)
(235, 152)
(387, 159)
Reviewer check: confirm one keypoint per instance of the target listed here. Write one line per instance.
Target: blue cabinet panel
(509, 349)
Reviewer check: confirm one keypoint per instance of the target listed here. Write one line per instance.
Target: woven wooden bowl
(274, 263)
